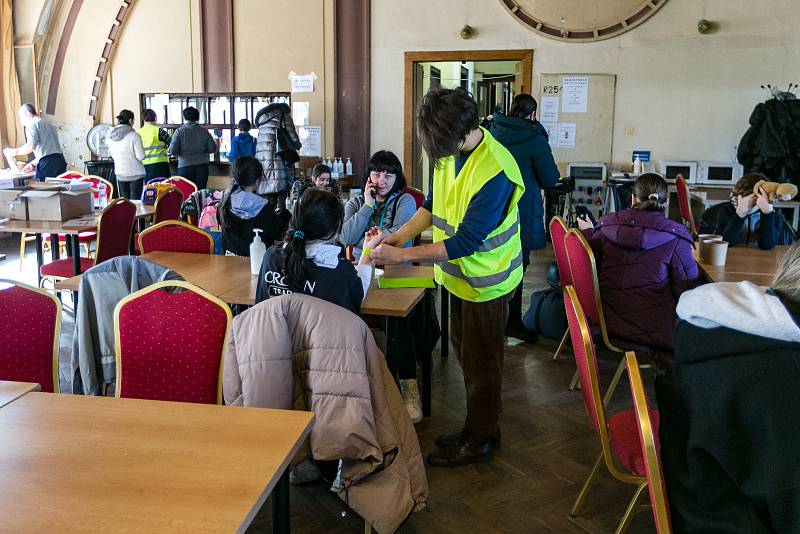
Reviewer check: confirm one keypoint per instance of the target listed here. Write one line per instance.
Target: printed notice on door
(549, 111)
(566, 135)
(575, 94)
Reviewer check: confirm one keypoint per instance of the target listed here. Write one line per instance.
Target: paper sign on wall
(302, 83)
(552, 132)
(300, 111)
(566, 135)
(311, 137)
(575, 93)
(549, 109)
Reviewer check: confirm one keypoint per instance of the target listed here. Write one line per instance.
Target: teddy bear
(776, 191)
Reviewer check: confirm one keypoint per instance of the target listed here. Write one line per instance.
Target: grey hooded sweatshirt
(93, 361)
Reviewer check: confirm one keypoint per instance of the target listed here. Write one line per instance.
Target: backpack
(208, 217)
(546, 315)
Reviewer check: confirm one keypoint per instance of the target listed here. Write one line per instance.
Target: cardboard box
(12, 205)
(56, 205)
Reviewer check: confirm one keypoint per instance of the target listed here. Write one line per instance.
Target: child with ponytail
(310, 261)
(645, 262)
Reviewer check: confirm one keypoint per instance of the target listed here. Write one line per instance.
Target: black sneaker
(473, 450)
(458, 438)
(520, 332)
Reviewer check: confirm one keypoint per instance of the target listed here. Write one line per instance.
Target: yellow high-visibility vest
(496, 268)
(154, 150)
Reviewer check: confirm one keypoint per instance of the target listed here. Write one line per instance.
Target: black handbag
(284, 148)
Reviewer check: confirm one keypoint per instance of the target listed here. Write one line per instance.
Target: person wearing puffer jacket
(645, 263)
(126, 148)
(728, 408)
(278, 175)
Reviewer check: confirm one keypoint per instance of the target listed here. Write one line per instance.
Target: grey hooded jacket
(93, 361)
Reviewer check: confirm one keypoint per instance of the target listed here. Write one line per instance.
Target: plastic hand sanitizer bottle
(349, 167)
(637, 165)
(257, 251)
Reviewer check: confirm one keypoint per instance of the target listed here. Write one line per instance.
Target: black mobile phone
(584, 213)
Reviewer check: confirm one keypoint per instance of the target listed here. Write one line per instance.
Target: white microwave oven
(587, 171)
(718, 173)
(671, 169)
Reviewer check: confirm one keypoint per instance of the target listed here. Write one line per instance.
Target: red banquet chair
(584, 280)
(187, 187)
(175, 236)
(167, 208)
(30, 345)
(558, 230)
(685, 205)
(113, 239)
(648, 436)
(177, 357)
(621, 452)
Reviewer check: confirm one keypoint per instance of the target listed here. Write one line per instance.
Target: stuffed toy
(776, 191)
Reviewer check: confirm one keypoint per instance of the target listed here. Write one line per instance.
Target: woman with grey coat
(278, 175)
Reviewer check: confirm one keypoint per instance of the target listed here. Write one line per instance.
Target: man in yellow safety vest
(155, 141)
(477, 255)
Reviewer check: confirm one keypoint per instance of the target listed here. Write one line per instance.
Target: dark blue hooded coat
(528, 143)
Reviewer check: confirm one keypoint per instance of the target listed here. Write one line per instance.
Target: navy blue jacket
(528, 143)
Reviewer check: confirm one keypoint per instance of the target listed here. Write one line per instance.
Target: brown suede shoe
(473, 450)
(458, 438)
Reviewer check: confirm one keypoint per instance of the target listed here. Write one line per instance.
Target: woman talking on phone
(383, 204)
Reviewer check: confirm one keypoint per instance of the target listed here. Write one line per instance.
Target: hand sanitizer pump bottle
(257, 251)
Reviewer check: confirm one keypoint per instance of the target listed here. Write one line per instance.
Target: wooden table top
(215, 274)
(56, 227)
(744, 263)
(229, 278)
(11, 391)
(94, 464)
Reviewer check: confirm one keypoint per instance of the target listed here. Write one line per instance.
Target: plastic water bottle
(102, 198)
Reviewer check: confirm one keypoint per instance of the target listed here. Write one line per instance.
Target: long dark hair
(522, 106)
(245, 172)
(652, 191)
(386, 161)
(317, 216)
(444, 118)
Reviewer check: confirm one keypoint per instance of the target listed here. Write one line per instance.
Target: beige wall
(686, 95)
(159, 50)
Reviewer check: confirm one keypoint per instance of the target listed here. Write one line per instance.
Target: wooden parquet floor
(548, 450)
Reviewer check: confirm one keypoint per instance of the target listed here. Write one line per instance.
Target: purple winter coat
(644, 262)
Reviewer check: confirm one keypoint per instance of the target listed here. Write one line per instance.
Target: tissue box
(12, 205)
(57, 205)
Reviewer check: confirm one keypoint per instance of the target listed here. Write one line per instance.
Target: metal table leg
(76, 255)
(281, 513)
(426, 362)
(393, 346)
(55, 248)
(444, 343)
(39, 258)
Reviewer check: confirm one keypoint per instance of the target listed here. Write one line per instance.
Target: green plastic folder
(396, 283)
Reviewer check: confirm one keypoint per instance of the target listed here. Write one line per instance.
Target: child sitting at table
(320, 178)
(748, 218)
(645, 263)
(241, 210)
(309, 260)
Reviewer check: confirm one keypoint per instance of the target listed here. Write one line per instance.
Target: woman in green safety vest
(477, 255)
(155, 141)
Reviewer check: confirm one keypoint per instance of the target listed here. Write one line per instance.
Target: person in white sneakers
(126, 148)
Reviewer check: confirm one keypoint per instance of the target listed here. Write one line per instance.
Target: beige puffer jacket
(303, 353)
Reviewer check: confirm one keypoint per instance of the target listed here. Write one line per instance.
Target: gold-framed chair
(187, 348)
(175, 236)
(617, 434)
(29, 352)
(648, 436)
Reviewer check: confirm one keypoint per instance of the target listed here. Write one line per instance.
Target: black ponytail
(317, 216)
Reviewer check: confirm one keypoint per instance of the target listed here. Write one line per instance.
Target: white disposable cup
(717, 252)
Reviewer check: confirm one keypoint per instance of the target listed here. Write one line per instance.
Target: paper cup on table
(716, 252)
(704, 247)
(704, 237)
